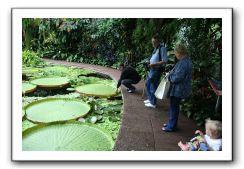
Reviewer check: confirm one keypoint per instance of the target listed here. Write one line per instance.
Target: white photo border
(18, 13)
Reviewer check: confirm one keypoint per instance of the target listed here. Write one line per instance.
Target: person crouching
(128, 77)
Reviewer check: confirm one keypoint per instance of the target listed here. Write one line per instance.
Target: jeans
(128, 83)
(152, 84)
(174, 112)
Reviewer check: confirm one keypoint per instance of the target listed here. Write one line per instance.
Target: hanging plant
(55, 109)
(99, 90)
(67, 137)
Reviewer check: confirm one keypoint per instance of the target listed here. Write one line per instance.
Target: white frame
(19, 155)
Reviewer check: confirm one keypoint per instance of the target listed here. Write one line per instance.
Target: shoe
(131, 90)
(150, 105)
(166, 129)
(165, 124)
(146, 101)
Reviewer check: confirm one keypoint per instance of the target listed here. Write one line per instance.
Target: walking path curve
(141, 126)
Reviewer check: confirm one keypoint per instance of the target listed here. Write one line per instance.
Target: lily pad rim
(30, 90)
(51, 86)
(96, 95)
(54, 98)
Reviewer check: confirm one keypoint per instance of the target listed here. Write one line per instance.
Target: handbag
(163, 89)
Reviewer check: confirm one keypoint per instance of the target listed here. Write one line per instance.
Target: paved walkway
(141, 126)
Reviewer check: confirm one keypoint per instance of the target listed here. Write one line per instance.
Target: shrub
(30, 59)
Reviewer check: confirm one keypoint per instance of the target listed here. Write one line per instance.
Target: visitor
(157, 61)
(211, 141)
(128, 77)
(180, 78)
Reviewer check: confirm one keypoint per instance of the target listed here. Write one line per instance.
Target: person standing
(128, 77)
(180, 78)
(158, 59)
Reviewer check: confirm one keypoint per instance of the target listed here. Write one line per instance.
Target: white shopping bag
(163, 89)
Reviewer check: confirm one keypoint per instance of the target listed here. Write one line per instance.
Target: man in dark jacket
(128, 77)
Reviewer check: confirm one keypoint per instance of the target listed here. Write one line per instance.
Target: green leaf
(67, 137)
(28, 88)
(100, 90)
(49, 83)
(26, 124)
(55, 109)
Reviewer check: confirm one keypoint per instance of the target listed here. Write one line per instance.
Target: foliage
(30, 33)
(55, 109)
(66, 137)
(107, 112)
(110, 41)
(99, 90)
(26, 124)
(28, 88)
(204, 40)
(30, 59)
(51, 82)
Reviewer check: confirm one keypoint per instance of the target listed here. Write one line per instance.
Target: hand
(151, 65)
(199, 132)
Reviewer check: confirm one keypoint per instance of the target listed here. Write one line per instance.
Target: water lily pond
(69, 109)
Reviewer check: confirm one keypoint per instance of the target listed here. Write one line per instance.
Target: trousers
(128, 83)
(152, 84)
(174, 110)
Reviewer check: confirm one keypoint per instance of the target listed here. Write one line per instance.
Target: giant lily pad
(55, 109)
(66, 137)
(29, 70)
(26, 124)
(28, 88)
(100, 90)
(51, 83)
(23, 113)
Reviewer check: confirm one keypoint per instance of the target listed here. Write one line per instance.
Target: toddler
(211, 141)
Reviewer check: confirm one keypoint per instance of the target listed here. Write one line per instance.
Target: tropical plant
(51, 82)
(55, 109)
(67, 137)
(30, 59)
(28, 88)
(204, 40)
(99, 90)
(111, 41)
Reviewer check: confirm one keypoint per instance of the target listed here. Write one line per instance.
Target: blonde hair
(180, 48)
(214, 127)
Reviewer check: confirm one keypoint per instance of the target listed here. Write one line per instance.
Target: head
(180, 50)
(213, 128)
(155, 40)
(121, 66)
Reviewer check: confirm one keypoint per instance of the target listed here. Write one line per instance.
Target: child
(211, 141)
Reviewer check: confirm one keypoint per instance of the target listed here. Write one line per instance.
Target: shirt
(155, 55)
(129, 73)
(214, 144)
(180, 78)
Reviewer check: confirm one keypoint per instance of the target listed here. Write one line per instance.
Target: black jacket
(129, 73)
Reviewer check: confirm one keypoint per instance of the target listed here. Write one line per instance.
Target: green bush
(30, 59)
